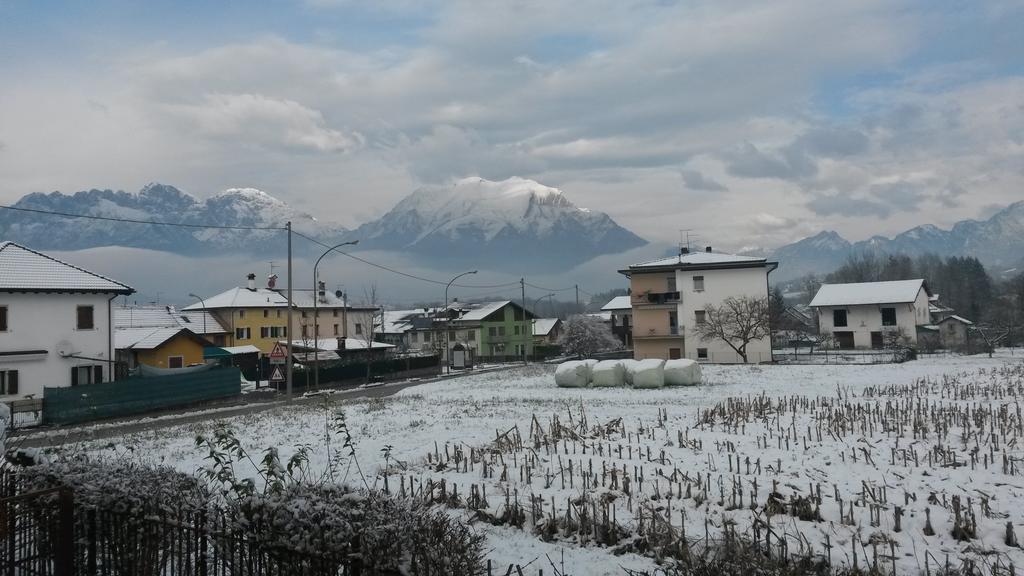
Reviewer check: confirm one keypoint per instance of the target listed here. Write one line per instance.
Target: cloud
(694, 180)
(269, 122)
(748, 161)
(829, 205)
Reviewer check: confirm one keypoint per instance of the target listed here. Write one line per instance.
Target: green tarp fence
(136, 395)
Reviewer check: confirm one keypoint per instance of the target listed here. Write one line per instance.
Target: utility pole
(288, 365)
(577, 298)
(522, 286)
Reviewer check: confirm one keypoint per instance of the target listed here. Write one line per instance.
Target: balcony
(660, 332)
(656, 299)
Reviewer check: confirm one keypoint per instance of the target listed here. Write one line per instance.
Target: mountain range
(512, 223)
(997, 242)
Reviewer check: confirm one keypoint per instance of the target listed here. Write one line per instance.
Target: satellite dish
(64, 349)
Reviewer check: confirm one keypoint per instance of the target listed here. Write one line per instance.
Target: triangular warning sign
(276, 375)
(278, 352)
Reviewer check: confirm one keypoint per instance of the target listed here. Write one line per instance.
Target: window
(3, 318)
(698, 283)
(414, 338)
(335, 312)
(8, 381)
(515, 330)
(266, 313)
(471, 335)
(839, 318)
(675, 353)
(492, 331)
(888, 316)
(276, 331)
(426, 336)
(335, 329)
(175, 362)
(673, 323)
(517, 314)
(359, 328)
(303, 313)
(278, 313)
(265, 332)
(241, 313)
(86, 375)
(501, 330)
(85, 320)
(451, 335)
(242, 333)
(702, 353)
(671, 284)
(701, 316)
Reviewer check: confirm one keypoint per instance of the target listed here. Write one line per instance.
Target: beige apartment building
(669, 298)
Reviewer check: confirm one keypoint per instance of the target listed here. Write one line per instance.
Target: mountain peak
(479, 218)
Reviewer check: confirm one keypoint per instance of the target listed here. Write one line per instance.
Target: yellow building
(159, 347)
(259, 316)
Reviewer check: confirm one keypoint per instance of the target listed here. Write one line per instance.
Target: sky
(751, 123)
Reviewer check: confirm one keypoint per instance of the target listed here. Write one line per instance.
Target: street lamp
(447, 317)
(203, 303)
(316, 312)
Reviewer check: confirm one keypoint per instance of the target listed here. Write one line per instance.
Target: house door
(876, 340)
(674, 354)
(844, 340)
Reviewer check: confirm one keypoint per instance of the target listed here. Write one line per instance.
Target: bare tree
(369, 331)
(737, 322)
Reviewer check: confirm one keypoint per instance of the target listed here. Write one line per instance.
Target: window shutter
(97, 372)
(12, 381)
(74, 375)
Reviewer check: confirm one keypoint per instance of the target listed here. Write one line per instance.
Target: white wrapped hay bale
(649, 373)
(628, 368)
(574, 374)
(590, 362)
(608, 373)
(682, 372)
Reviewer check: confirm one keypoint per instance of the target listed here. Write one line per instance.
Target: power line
(399, 272)
(135, 221)
(551, 289)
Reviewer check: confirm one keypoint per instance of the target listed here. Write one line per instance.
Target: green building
(506, 329)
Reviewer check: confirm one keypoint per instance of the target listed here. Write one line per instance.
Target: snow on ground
(838, 432)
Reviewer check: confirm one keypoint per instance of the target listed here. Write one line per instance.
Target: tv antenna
(272, 266)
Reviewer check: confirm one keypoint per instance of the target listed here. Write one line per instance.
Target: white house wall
(718, 286)
(864, 319)
(46, 321)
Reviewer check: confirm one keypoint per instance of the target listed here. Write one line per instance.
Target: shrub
(384, 533)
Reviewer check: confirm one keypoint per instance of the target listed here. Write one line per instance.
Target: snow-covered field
(595, 467)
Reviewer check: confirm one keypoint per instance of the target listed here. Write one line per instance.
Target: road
(47, 437)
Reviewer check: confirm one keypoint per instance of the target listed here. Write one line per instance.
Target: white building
(55, 323)
(872, 314)
(670, 297)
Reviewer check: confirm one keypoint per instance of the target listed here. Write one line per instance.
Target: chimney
(708, 249)
(272, 281)
(684, 250)
(341, 344)
(252, 281)
(321, 292)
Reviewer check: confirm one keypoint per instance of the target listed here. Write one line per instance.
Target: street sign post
(278, 354)
(276, 375)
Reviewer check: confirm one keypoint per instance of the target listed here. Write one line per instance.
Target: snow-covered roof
(241, 298)
(482, 310)
(331, 344)
(605, 316)
(544, 326)
(698, 260)
(857, 293)
(399, 321)
(956, 318)
(618, 303)
(197, 321)
(24, 269)
(247, 349)
(145, 338)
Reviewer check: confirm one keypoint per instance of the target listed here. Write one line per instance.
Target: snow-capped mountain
(158, 202)
(998, 242)
(514, 222)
